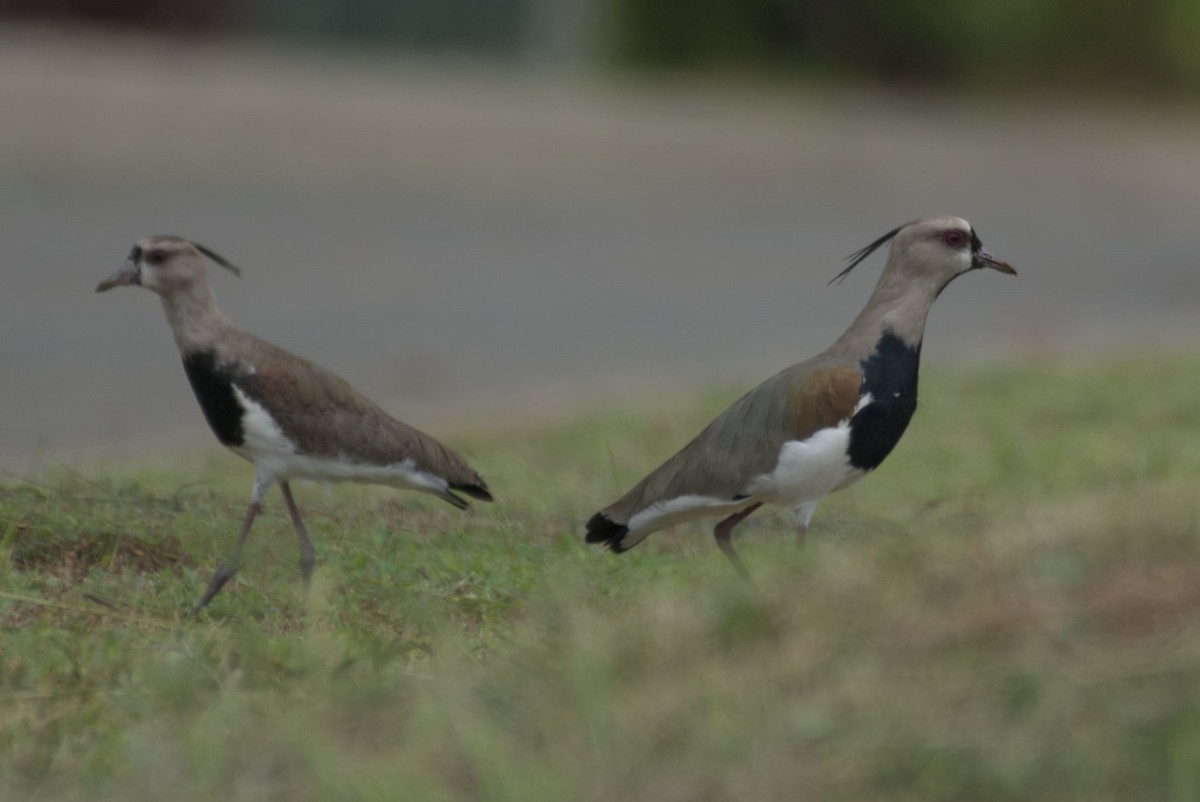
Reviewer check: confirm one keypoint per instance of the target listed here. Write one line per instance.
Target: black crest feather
(219, 259)
(863, 253)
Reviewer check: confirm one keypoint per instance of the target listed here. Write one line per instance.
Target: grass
(1008, 609)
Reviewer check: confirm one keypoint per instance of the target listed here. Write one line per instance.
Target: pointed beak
(984, 259)
(126, 276)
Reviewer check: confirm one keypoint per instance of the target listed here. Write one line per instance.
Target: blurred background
(487, 214)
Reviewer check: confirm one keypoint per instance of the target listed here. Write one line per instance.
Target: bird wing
(325, 417)
(744, 441)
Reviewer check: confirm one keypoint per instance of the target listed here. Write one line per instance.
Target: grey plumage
(779, 442)
(325, 417)
(289, 417)
(743, 442)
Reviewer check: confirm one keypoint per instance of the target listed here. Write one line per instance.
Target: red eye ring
(954, 238)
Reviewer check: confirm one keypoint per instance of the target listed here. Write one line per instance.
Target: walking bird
(820, 425)
(287, 416)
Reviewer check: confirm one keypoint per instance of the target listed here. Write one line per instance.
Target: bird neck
(896, 305)
(195, 320)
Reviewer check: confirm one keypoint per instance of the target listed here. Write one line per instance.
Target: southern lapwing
(289, 417)
(818, 426)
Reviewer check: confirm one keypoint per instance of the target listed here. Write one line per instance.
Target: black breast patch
(212, 382)
(890, 376)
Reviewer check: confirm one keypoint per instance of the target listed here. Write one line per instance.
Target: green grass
(1008, 609)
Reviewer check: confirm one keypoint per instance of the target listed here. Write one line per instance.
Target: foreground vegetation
(1009, 609)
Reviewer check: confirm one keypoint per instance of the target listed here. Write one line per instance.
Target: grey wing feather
(324, 416)
(744, 441)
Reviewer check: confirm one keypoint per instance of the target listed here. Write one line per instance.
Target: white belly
(808, 470)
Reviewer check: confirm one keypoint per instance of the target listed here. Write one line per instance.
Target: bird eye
(954, 239)
(156, 257)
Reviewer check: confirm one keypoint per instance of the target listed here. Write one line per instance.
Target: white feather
(260, 433)
(662, 514)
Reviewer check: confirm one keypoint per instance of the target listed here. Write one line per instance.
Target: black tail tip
(602, 529)
(475, 491)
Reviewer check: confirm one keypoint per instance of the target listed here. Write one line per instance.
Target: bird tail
(477, 489)
(450, 498)
(602, 529)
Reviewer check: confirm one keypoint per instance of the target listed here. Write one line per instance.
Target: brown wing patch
(273, 381)
(823, 398)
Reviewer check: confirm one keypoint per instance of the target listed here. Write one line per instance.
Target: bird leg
(308, 555)
(227, 569)
(804, 514)
(724, 530)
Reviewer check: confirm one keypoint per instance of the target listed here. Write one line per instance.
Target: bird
(819, 425)
(287, 416)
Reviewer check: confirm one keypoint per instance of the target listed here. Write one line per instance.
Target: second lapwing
(287, 416)
(820, 425)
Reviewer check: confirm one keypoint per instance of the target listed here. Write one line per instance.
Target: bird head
(934, 250)
(165, 265)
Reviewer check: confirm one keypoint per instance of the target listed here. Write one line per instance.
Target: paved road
(474, 247)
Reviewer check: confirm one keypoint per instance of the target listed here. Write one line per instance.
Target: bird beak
(124, 277)
(984, 259)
